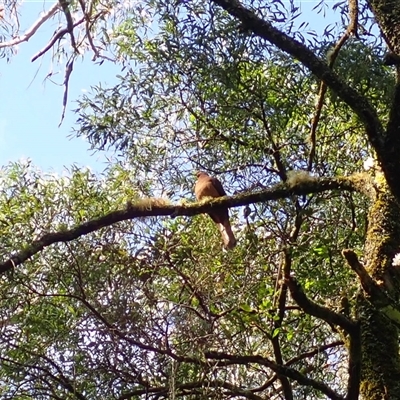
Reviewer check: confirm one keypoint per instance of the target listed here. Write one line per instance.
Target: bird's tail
(227, 235)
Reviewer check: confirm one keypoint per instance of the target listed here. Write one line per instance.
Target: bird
(207, 186)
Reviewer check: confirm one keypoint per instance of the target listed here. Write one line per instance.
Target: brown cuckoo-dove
(207, 186)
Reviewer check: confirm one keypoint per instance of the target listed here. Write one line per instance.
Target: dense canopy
(116, 285)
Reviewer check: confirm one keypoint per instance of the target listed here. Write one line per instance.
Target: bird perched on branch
(207, 186)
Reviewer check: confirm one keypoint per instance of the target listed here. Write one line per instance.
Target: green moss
(380, 376)
(380, 373)
(383, 242)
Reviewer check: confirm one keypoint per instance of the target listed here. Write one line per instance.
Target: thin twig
(228, 359)
(351, 30)
(87, 27)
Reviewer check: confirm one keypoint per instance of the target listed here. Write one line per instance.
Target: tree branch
(286, 264)
(354, 368)
(59, 379)
(32, 30)
(368, 284)
(314, 352)
(87, 27)
(70, 24)
(297, 185)
(279, 369)
(391, 166)
(57, 36)
(351, 30)
(68, 72)
(377, 295)
(265, 30)
(318, 311)
(185, 387)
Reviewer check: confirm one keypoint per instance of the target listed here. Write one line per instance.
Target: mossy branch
(386, 143)
(298, 184)
(376, 293)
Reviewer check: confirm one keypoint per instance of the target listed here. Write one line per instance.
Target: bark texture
(387, 14)
(380, 373)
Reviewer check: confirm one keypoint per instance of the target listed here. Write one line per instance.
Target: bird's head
(200, 173)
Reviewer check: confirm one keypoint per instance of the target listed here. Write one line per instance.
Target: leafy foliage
(141, 308)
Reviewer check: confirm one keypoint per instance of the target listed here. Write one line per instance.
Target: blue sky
(30, 107)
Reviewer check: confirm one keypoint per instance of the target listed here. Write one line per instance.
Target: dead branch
(68, 71)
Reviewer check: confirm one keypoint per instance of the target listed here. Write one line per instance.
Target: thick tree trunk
(387, 15)
(380, 371)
